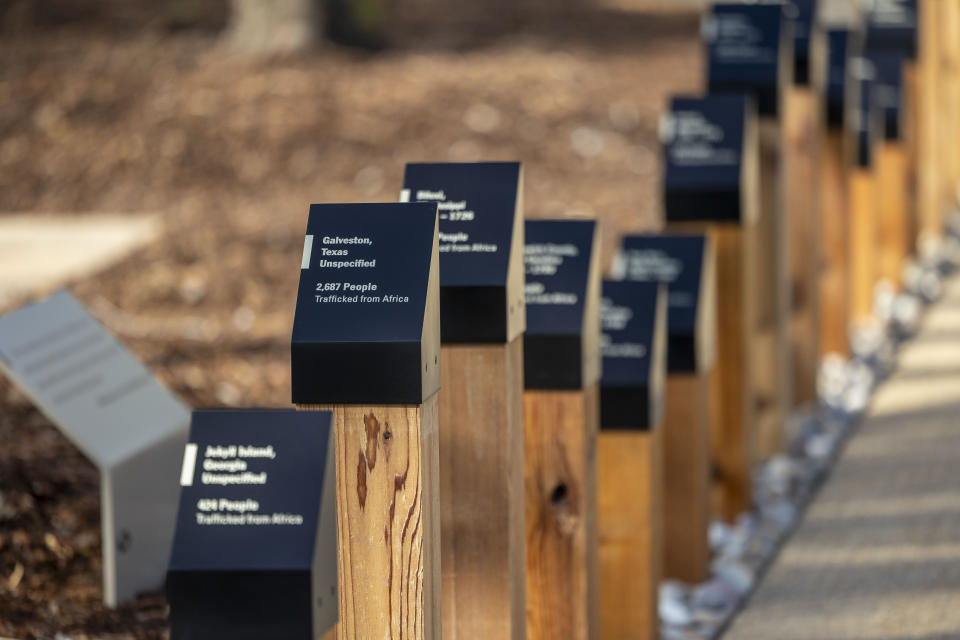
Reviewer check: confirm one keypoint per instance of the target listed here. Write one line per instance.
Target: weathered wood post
(891, 167)
(750, 50)
(481, 408)
(835, 221)
(892, 28)
(561, 361)
(710, 186)
(863, 124)
(933, 130)
(687, 265)
(366, 346)
(803, 143)
(949, 79)
(629, 458)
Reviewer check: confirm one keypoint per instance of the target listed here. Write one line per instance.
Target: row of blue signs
(362, 324)
(749, 51)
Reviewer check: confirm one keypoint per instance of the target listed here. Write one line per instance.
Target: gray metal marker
(114, 410)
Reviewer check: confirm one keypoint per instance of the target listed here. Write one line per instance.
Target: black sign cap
(366, 329)
(892, 26)
(802, 15)
(254, 553)
(685, 263)
(888, 90)
(561, 344)
(634, 344)
(481, 246)
(749, 49)
(838, 49)
(710, 147)
(865, 120)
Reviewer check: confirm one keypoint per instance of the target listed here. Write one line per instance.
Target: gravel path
(877, 556)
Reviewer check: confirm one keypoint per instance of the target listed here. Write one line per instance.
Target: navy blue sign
(562, 295)
(633, 345)
(888, 90)
(802, 15)
(481, 246)
(838, 41)
(679, 262)
(892, 26)
(254, 553)
(361, 334)
(744, 52)
(703, 146)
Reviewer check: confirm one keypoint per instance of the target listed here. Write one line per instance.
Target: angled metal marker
(113, 409)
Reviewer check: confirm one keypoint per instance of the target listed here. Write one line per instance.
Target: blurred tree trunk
(274, 26)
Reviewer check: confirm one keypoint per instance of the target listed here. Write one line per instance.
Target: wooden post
(803, 135)
(366, 346)
(481, 408)
(912, 127)
(771, 336)
(863, 242)
(949, 23)
(834, 203)
(696, 203)
(891, 161)
(687, 265)
(835, 231)
(891, 44)
(629, 459)
(932, 131)
(803, 138)
(865, 131)
(750, 49)
(561, 419)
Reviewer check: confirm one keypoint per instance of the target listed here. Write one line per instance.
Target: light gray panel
(113, 409)
(85, 381)
(142, 494)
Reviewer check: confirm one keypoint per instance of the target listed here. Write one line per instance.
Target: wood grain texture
(772, 386)
(388, 524)
(834, 238)
(864, 235)
(482, 494)
(686, 473)
(563, 596)
(802, 143)
(630, 482)
(891, 162)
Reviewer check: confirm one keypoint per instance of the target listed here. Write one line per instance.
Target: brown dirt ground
(230, 152)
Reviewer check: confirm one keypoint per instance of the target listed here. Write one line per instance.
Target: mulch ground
(230, 152)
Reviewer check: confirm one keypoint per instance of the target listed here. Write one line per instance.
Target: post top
(366, 327)
(562, 298)
(274, 458)
(747, 50)
(684, 262)
(709, 146)
(481, 245)
(633, 343)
